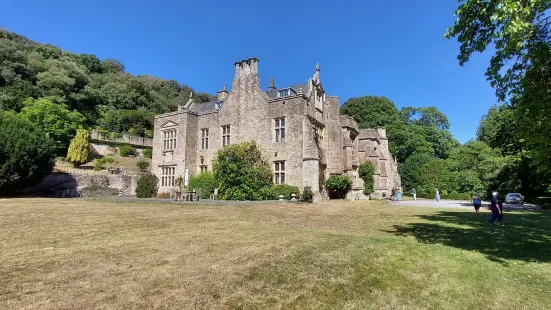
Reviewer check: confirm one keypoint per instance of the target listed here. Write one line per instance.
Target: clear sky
(384, 48)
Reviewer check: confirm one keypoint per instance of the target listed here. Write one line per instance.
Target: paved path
(459, 204)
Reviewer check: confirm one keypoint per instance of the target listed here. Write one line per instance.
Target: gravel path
(459, 204)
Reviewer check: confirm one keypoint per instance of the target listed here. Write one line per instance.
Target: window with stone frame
(203, 168)
(225, 135)
(204, 138)
(167, 176)
(280, 129)
(169, 139)
(279, 169)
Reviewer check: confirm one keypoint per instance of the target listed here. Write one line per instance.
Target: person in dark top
(497, 209)
(477, 202)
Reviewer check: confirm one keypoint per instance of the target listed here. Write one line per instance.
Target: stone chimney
(223, 94)
(246, 74)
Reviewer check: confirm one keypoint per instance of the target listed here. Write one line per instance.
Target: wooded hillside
(100, 90)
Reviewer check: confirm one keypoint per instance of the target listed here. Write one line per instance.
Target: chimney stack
(223, 94)
(246, 72)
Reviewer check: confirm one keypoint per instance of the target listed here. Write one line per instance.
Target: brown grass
(80, 254)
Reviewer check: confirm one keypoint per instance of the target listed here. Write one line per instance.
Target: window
(203, 168)
(204, 139)
(279, 172)
(225, 135)
(169, 139)
(167, 176)
(283, 92)
(280, 129)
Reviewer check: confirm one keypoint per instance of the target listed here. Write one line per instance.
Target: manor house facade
(299, 129)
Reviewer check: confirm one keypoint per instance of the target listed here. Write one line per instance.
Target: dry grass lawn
(90, 254)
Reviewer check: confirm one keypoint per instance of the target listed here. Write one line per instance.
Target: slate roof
(204, 107)
(272, 93)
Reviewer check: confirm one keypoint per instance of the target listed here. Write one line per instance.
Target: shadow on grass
(525, 236)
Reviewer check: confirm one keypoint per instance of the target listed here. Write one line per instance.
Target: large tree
(26, 154)
(520, 68)
(55, 120)
(377, 112)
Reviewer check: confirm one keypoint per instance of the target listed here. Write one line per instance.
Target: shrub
(79, 148)
(148, 153)
(147, 186)
(241, 172)
(127, 150)
(205, 182)
(365, 172)
(142, 164)
(165, 195)
(26, 154)
(99, 164)
(307, 195)
(273, 192)
(338, 186)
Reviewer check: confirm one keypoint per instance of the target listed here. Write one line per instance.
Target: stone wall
(123, 139)
(100, 149)
(57, 183)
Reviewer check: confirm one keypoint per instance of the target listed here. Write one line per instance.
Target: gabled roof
(205, 107)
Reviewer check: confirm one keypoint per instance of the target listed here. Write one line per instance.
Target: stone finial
(272, 82)
(317, 67)
(224, 89)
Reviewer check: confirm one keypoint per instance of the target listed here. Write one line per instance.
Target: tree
(241, 171)
(477, 156)
(55, 120)
(377, 112)
(79, 147)
(520, 69)
(427, 117)
(412, 169)
(517, 29)
(26, 154)
(499, 130)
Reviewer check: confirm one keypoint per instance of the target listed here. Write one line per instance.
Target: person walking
(399, 195)
(497, 210)
(437, 197)
(414, 194)
(477, 202)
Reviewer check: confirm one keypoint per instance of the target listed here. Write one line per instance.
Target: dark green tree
(26, 154)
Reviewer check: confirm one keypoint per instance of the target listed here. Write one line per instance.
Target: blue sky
(384, 48)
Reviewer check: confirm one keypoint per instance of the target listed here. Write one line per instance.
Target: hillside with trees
(89, 91)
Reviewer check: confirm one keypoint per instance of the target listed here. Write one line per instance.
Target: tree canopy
(520, 71)
(26, 153)
(100, 90)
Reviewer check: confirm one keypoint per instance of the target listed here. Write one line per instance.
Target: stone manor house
(299, 129)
